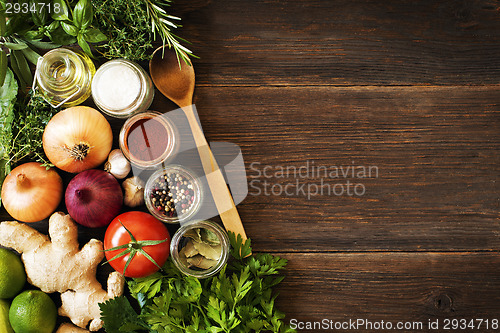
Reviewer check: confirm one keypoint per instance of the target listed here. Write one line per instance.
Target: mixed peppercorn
(173, 194)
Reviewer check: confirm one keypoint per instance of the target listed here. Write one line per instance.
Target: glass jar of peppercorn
(173, 194)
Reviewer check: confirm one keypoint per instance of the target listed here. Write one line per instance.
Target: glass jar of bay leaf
(200, 248)
(64, 77)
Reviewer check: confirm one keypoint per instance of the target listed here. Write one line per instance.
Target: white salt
(118, 87)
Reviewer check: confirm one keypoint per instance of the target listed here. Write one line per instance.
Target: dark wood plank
(393, 287)
(437, 151)
(344, 42)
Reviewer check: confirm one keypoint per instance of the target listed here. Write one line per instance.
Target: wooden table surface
(409, 90)
(409, 87)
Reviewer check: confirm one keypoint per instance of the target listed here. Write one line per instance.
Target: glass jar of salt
(121, 88)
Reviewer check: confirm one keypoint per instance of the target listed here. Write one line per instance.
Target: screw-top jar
(173, 194)
(200, 248)
(121, 88)
(64, 77)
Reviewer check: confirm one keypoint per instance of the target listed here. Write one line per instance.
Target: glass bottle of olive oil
(64, 77)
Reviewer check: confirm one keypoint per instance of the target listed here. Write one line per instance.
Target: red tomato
(144, 227)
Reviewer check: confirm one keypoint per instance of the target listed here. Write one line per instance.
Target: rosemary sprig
(163, 23)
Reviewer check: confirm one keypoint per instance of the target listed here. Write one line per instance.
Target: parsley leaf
(117, 311)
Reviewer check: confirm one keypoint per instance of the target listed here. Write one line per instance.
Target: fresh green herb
(238, 299)
(163, 23)
(126, 25)
(32, 114)
(21, 33)
(8, 93)
(132, 26)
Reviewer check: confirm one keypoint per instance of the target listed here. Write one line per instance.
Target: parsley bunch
(238, 299)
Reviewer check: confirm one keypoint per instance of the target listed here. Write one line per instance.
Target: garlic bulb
(134, 191)
(117, 164)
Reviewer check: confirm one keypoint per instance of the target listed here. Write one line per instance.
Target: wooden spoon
(176, 82)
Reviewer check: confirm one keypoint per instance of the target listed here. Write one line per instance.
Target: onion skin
(72, 129)
(30, 192)
(93, 198)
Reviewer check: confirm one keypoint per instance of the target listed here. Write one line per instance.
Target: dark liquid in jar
(147, 139)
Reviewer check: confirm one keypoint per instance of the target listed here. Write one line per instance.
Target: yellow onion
(77, 139)
(31, 193)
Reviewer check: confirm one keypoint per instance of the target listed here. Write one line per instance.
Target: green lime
(12, 274)
(4, 317)
(32, 311)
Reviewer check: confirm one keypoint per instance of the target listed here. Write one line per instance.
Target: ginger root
(58, 265)
(68, 328)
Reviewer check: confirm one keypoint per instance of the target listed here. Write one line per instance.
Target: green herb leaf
(59, 36)
(239, 249)
(186, 290)
(35, 34)
(39, 14)
(14, 64)
(84, 45)
(16, 24)
(116, 312)
(149, 285)
(63, 13)
(31, 55)
(43, 45)
(83, 14)
(3, 66)
(93, 35)
(3, 19)
(23, 67)
(53, 26)
(15, 46)
(69, 28)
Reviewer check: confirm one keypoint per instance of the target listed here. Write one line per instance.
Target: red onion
(93, 198)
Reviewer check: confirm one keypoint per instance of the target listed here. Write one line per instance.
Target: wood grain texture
(393, 287)
(344, 42)
(411, 87)
(437, 150)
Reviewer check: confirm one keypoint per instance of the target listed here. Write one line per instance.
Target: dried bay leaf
(208, 251)
(189, 249)
(208, 236)
(183, 258)
(194, 234)
(202, 248)
(201, 262)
